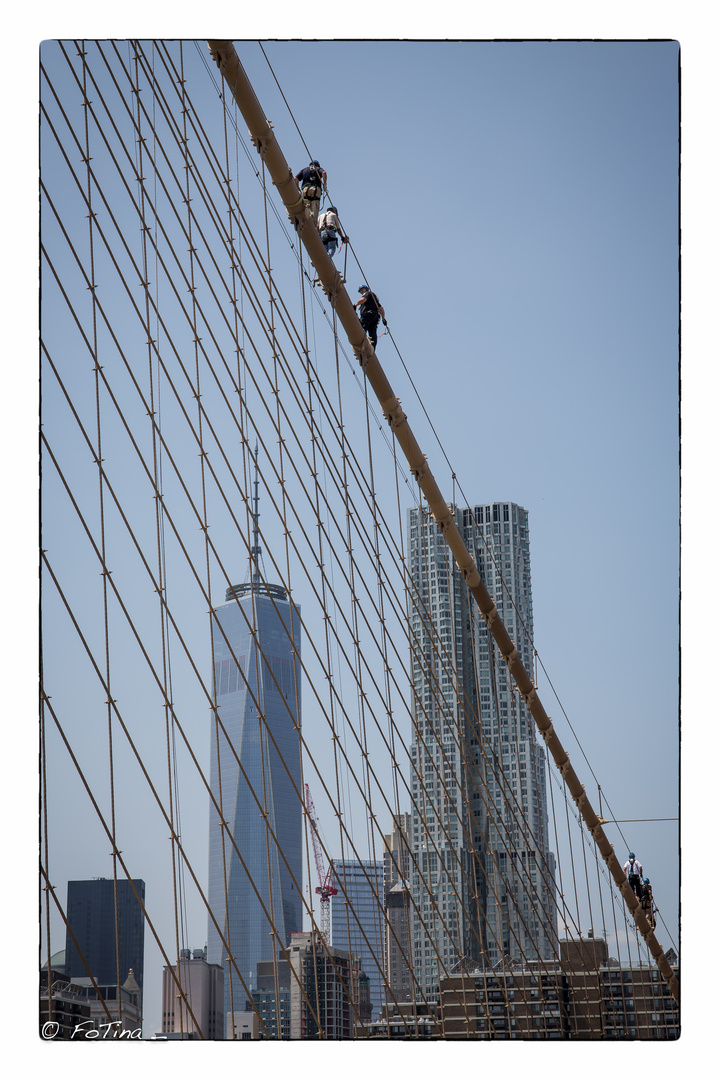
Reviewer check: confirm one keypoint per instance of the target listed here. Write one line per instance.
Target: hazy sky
(515, 207)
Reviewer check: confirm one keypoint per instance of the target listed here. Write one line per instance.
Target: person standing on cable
(330, 229)
(312, 181)
(370, 312)
(633, 869)
(646, 901)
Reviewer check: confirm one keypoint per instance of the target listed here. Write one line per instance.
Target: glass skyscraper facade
(482, 877)
(101, 938)
(358, 919)
(255, 881)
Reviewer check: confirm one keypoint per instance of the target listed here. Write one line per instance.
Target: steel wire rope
(436, 435)
(551, 774)
(108, 829)
(315, 926)
(601, 868)
(297, 249)
(504, 585)
(367, 789)
(101, 510)
(358, 261)
(341, 782)
(173, 794)
(575, 783)
(384, 649)
(237, 280)
(49, 890)
(265, 769)
(133, 747)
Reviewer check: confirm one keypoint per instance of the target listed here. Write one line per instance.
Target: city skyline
(545, 612)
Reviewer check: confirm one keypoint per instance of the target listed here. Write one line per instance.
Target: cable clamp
(393, 413)
(364, 353)
(332, 291)
(262, 142)
(547, 732)
(511, 657)
(420, 471)
(530, 698)
(443, 523)
(471, 575)
(490, 617)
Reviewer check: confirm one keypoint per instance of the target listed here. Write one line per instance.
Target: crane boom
(263, 138)
(325, 887)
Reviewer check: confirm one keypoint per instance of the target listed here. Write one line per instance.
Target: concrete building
(357, 916)
(595, 999)
(254, 896)
(483, 877)
(328, 993)
(193, 997)
(243, 1026)
(76, 1009)
(404, 1022)
(95, 938)
(396, 874)
(64, 1012)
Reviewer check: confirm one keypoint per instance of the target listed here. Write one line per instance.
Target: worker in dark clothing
(371, 310)
(646, 901)
(312, 181)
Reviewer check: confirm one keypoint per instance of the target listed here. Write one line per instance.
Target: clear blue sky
(514, 205)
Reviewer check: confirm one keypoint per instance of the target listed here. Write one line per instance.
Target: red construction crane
(326, 889)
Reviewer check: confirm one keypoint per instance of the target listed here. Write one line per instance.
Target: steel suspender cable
(224, 54)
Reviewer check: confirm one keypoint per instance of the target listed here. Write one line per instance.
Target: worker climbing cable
(633, 869)
(371, 311)
(312, 181)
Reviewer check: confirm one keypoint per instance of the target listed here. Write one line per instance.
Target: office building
(396, 875)
(358, 919)
(396, 853)
(193, 998)
(95, 938)
(482, 881)
(271, 1000)
(255, 862)
(328, 993)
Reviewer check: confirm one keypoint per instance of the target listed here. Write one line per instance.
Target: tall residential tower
(482, 874)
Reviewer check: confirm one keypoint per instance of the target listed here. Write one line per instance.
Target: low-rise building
(585, 994)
